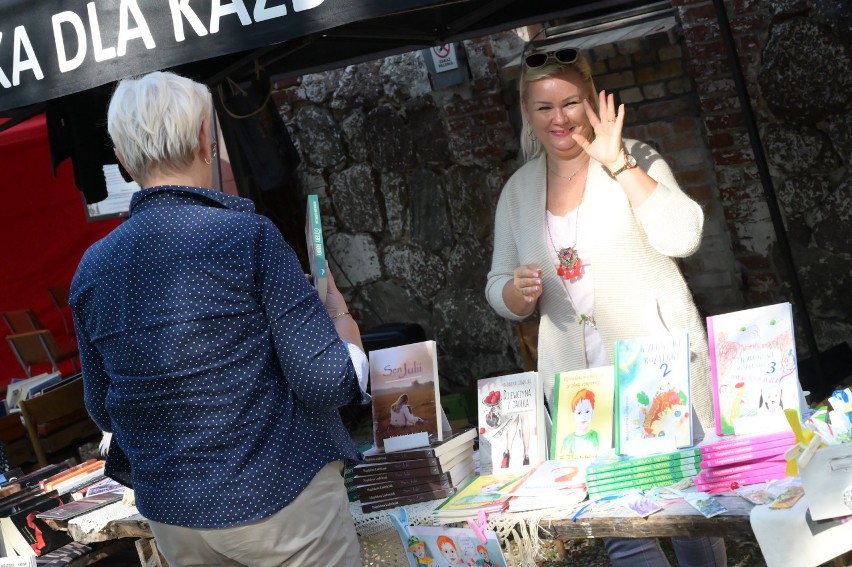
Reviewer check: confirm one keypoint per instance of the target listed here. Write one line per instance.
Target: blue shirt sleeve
(314, 360)
(96, 383)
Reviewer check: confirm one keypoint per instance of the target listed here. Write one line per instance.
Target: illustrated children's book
(583, 413)
(316, 247)
(404, 387)
(437, 546)
(652, 400)
(753, 366)
(511, 422)
(490, 493)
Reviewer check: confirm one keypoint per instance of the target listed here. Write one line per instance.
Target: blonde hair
(154, 121)
(530, 146)
(397, 405)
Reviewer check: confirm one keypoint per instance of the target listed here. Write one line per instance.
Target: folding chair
(39, 347)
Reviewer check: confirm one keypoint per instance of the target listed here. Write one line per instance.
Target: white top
(566, 231)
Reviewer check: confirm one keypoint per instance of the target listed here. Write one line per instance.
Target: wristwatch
(629, 163)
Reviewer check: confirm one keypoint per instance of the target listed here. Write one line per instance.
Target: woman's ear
(120, 157)
(205, 148)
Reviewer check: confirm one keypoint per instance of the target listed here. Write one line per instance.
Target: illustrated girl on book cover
(400, 413)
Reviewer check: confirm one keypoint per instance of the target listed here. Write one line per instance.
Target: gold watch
(629, 163)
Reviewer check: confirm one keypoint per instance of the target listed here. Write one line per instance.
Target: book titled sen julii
(406, 396)
(316, 247)
(652, 401)
(753, 366)
(511, 422)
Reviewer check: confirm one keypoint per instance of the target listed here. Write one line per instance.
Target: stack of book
(610, 475)
(740, 460)
(51, 492)
(388, 480)
(551, 484)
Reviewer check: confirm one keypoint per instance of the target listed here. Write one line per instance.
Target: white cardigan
(638, 288)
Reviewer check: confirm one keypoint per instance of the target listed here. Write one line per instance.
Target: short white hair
(154, 121)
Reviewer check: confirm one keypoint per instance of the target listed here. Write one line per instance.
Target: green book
(614, 462)
(673, 465)
(316, 247)
(666, 477)
(620, 487)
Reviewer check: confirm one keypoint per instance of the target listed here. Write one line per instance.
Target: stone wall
(409, 176)
(795, 58)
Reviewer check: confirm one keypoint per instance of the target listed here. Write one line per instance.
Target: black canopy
(53, 48)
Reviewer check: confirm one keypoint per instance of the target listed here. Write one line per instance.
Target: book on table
(316, 247)
(78, 507)
(610, 462)
(416, 462)
(25, 534)
(482, 492)
(406, 397)
(652, 395)
(753, 369)
(583, 413)
(436, 449)
(511, 413)
(440, 546)
(24, 389)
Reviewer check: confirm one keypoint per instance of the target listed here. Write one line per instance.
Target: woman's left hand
(607, 146)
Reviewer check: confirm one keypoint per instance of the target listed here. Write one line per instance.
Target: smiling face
(583, 415)
(553, 107)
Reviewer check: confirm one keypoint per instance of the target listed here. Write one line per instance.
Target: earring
(214, 147)
(207, 161)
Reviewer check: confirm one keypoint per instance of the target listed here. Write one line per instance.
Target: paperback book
(714, 444)
(780, 444)
(406, 396)
(753, 369)
(710, 461)
(397, 465)
(369, 488)
(684, 466)
(419, 472)
(438, 449)
(442, 546)
(720, 473)
(398, 501)
(511, 423)
(583, 413)
(482, 492)
(316, 247)
(652, 399)
(610, 462)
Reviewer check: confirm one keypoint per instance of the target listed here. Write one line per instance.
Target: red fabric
(44, 231)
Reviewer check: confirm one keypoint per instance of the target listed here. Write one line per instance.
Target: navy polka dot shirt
(211, 359)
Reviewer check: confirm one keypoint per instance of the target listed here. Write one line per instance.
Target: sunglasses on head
(565, 56)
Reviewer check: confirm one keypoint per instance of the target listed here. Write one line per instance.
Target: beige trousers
(315, 529)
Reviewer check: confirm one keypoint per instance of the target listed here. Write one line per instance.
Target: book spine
(404, 500)
(616, 407)
(397, 456)
(744, 481)
(712, 452)
(384, 491)
(685, 467)
(674, 463)
(741, 458)
(714, 376)
(649, 480)
(720, 472)
(618, 488)
(746, 441)
(376, 468)
(622, 464)
(746, 475)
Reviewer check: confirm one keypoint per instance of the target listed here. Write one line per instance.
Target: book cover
(441, 546)
(385, 490)
(552, 476)
(736, 481)
(511, 423)
(316, 247)
(390, 503)
(753, 369)
(614, 489)
(652, 400)
(405, 391)
(583, 413)
(451, 444)
(482, 492)
(612, 462)
(78, 507)
(758, 471)
(38, 535)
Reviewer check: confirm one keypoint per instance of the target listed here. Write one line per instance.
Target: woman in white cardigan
(587, 231)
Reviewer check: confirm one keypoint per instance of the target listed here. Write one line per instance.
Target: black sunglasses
(565, 56)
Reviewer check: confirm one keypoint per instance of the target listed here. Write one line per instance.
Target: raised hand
(607, 145)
